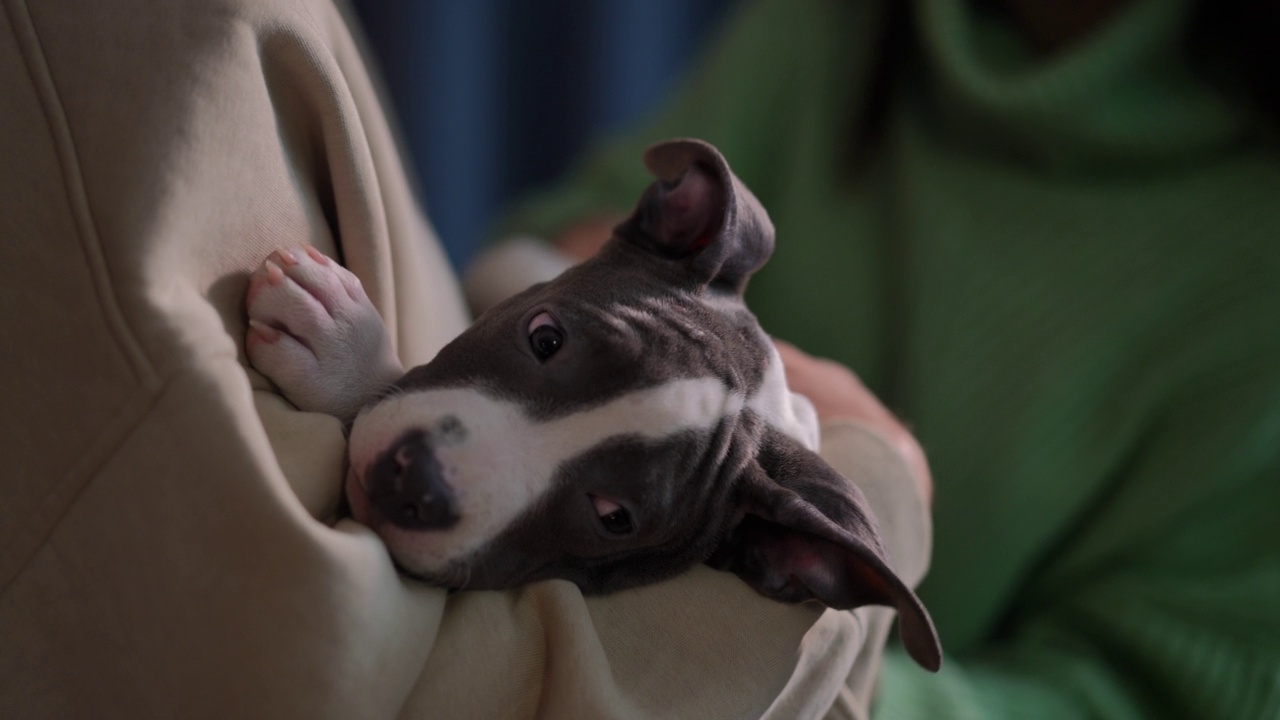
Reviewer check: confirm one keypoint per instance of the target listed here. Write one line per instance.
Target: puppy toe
(260, 332)
(285, 257)
(283, 358)
(319, 257)
(318, 276)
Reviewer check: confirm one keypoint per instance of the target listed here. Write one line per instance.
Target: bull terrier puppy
(611, 427)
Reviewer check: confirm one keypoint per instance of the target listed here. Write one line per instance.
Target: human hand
(838, 394)
(584, 239)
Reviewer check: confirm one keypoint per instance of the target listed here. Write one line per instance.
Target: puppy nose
(406, 486)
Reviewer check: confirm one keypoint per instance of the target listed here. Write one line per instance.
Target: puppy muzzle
(406, 486)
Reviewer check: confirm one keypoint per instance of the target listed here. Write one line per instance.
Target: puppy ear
(700, 213)
(807, 534)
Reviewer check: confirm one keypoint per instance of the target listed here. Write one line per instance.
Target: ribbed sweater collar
(1126, 96)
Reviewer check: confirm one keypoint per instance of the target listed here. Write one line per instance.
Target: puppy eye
(615, 518)
(545, 338)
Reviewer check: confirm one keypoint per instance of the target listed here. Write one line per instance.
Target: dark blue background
(498, 96)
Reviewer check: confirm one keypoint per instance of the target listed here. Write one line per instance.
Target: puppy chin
(405, 547)
(406, 555)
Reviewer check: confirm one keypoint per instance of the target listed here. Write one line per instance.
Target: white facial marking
(785, 411)
(507, 460)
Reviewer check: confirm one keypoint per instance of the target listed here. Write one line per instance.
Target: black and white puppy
(611, 427)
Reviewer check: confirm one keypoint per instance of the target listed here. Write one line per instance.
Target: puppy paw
(315, 334)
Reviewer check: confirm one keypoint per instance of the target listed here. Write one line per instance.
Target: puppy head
(623, 422)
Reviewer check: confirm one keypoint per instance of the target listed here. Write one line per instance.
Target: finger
(584, 240)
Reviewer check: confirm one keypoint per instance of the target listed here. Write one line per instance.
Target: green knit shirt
(1064, 273)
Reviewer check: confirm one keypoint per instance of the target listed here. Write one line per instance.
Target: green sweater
(1064, 273)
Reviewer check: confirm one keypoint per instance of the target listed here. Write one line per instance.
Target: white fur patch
(506, 460)
(787, 412)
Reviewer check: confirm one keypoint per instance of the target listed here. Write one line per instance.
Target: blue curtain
(496, 97)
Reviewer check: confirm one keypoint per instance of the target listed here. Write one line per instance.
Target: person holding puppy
(1047, 239)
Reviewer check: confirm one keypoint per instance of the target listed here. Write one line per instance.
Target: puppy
(611, 427)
